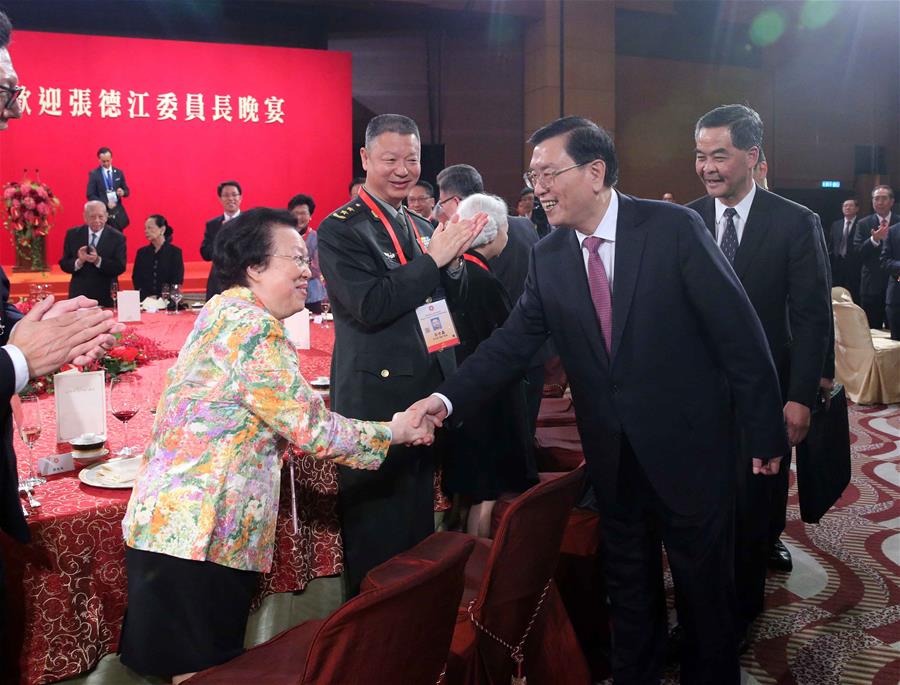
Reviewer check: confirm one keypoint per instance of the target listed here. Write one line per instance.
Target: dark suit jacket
(844, 270)
(380, 363)
(511, 266)
(152, 269)
(96, 190)
(782, 265)
(873, 279)
(11, 520)
(213, 286)
(89, 280)
(685, 339)
(890, 262)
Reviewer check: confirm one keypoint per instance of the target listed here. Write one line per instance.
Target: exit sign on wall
(831, 184)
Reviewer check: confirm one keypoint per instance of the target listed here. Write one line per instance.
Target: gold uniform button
(385, 373)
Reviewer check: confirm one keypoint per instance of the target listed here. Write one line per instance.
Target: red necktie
(600, 293)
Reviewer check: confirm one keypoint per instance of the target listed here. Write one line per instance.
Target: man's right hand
(879, 234)
(450, 240)
(766, 468)
(71, 336)
(430, 409)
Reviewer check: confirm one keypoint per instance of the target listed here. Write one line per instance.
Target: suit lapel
(755, 230)
(709, 215)
(630, 240)
(576, 289)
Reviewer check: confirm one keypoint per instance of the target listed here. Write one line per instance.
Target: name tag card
(57, 463)
(437, 325)
(128, 304)
(297, 327)
(80, 404)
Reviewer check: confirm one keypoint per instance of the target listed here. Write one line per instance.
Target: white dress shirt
(20, 364)
(740, 219)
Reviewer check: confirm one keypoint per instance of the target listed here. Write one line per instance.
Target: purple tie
(599, 285)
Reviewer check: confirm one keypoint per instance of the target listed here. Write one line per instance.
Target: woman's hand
(404, 433)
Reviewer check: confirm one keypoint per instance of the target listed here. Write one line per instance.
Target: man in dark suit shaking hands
(230, 197)
(107, 184)
(656, 336)
(94, 254)
(777, 251)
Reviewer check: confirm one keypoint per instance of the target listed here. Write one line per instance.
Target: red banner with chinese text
(179, 117)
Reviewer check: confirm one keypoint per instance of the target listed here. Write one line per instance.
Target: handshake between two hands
(416, 425)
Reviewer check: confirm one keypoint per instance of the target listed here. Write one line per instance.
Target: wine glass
(124, 402)
(326, 307)
(30, 423)
(175, 289)
(165, 293)
(114, 292)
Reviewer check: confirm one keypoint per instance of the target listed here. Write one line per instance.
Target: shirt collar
(229, 217)
(392, 212)
(742, 208)
(606, 229)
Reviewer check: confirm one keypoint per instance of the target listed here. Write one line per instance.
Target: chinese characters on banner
(110, 104)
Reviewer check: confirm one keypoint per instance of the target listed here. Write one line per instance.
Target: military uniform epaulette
(416, 214)
(351, 209)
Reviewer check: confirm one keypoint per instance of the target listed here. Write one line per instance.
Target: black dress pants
(700, 551)
(873, 306)
(893, 317)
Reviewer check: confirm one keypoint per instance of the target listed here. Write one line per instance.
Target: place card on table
(80, 404)
(57, 463)
(297, 327)
(128, 304)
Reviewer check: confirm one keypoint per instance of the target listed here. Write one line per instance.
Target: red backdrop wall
(173, 166)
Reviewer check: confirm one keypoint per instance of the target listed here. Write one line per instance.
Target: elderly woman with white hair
(492, 452)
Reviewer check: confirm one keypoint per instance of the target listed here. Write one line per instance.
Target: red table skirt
(67, 589)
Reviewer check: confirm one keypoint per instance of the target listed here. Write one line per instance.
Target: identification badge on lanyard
(437, 326)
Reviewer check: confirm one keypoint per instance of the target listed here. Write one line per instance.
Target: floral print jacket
(208, 483)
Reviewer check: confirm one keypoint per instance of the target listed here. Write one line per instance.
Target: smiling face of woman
(282, 284)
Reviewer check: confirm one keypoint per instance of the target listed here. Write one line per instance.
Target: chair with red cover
(398, 632)
(509, 592)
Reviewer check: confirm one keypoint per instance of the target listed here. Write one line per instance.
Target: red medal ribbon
(376, 210)
(476, 260)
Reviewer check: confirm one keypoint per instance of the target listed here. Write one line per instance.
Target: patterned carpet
(835, 620)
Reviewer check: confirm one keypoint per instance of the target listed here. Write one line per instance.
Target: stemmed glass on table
(114, 292)
(326, 307)
(175, 290)
(124, 403)
(29, 424)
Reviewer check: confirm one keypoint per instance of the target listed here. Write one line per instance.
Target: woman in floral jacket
(200, 525)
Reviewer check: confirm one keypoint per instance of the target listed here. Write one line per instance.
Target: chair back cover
(840, 294)
(523, 558)
(399, 633)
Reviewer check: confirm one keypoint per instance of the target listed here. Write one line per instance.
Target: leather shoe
(780, 558)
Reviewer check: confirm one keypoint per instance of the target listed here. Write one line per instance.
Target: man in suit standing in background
(229, 193)
(456, 183)
(870, 233)
(107, 184)
(845, 266)
(94, 254)
(777, 250)
(51, 335)
(890, 262)
(658, 338)
(382, 264)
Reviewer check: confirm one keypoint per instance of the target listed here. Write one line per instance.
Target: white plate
(320, 382)
(197, 305)
(89, 458)
(109, 474)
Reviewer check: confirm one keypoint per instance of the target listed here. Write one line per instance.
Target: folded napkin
(120, 471)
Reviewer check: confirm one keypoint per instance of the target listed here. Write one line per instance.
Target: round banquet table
(66, 590)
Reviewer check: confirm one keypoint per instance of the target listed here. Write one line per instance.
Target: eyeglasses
(301, 262)
(439, 207)
(12, 94)
(547, 176)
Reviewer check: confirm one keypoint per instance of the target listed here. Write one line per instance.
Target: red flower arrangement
(30, 206)
(130, 351)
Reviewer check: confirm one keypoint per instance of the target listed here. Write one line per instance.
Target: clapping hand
(52, 334)
(451, 239)
(404, 432)
(768, 467)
